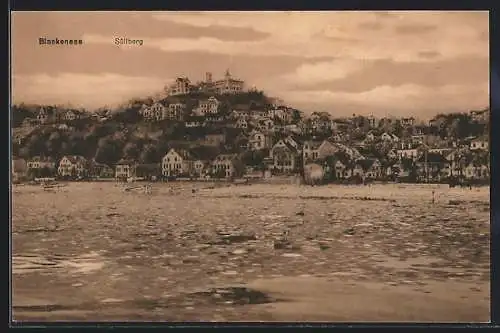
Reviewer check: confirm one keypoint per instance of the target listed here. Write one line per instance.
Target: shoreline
(276, 181)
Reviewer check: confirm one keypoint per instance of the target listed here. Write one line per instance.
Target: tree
(131, 150)
(149, 154)
(45, 172)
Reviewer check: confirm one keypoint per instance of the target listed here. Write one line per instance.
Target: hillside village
(218, 129)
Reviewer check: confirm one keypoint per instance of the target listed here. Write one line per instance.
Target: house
(227, 165)
(386, 137)
(125, 169)
(175, 112)
(177, 162)
(407, 122)
(285, 157)
(397, 170)
(181, 86)
(370, 137)
(201, 167)
(432, 166)
(242, 142)
(209, 106)
(73, 166)
(44, 116)
(71, 115)
(280, 114)
(437, 121)
(202, 157)
(372, 121)
(259, 140)
(408, 153)
(194, 122)
(310, 150)
(292, 129)
(229, 85)
(41, 162)
(327, 148)
(395, 138)
(156, 112)
(257, 115)
(340, 138)
(368, 168)
(481, 116)
(475, 170)
(19, 169)
(479, 144)
(417, 139)
(100, 170)
(214, 139)
(265, 125)
(241, 111)
(241, 123)
(64, 128)
(338, 165)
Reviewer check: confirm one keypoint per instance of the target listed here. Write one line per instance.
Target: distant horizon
(414, 63)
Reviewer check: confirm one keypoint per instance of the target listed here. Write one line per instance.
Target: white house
(72, 165)
(209, 106)
(479, 144)
(177, 162)
(175, 111)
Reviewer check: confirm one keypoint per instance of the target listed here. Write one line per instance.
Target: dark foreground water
(93, 251)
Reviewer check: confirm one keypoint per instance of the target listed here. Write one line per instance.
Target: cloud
(371, 25)
(428, 54)
(317, 73)
(331, 56)
(130, 24)
(414, 29)
(406, 99)
(467, 71)
(81, 89)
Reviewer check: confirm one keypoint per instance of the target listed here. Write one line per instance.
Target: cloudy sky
(398, 63)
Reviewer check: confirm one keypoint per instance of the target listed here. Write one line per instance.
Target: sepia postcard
(250, 166)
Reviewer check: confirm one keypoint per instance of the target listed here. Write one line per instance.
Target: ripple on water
(30, 263)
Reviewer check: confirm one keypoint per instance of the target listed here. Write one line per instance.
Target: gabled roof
(42, 159)
(76, 159)
(366, 163)
(286, 146)
(126, 162)
(314, 144)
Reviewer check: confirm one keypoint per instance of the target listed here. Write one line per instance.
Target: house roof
(75, 159)
(314, 144)
(366, 163)
(125, 162)
(286, 146)
(42, 159)
(102, 165)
